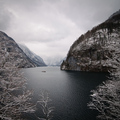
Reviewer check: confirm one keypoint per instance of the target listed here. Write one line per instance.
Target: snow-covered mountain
(38, 61)
(11, 53)
(56, 61)
(91, 51)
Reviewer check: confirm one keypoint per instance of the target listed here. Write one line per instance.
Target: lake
(69, 90)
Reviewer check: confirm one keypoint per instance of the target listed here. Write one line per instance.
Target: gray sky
(49, 27)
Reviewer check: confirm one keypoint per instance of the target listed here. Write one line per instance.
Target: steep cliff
(11, 53)
(38, 61)
(91, 51)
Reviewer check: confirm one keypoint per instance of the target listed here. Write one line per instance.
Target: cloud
(5, 18)
(44, 26)
(86, 13)
(49, 27)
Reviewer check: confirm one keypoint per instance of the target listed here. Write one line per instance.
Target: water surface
(68, 90)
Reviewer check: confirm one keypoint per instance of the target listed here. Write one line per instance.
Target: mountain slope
(11, 53)
(54, 61)
(90, 52)
(38, 61)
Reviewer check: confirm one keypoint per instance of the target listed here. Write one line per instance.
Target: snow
(99, 34)
(35, 58)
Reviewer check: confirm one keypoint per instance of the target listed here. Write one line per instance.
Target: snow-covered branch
(106, 97)
(15, 98)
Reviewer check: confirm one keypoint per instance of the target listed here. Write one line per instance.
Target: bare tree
(15, 98)
(106, 97)
(106, 100)
(45, 103)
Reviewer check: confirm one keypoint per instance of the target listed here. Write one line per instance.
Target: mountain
(91, 51)
(37, 60)
(56, 61)
(11, 53)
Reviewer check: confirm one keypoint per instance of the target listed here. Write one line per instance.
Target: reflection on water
(69, 91)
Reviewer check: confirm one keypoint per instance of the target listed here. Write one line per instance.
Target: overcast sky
(49, 27)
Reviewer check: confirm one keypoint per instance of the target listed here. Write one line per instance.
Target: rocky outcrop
(11, 53)
(37, 60)
(91, 52)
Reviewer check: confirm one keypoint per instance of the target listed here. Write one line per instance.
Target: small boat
(43, 71)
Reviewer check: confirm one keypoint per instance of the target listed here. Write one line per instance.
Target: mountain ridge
(15, 55)
(88, 52)
(38, 61)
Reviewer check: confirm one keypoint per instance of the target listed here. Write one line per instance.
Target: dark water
(69, 91)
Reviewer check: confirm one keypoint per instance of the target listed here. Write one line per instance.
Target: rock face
(11, 53)
(38, 61)
(90, 51)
